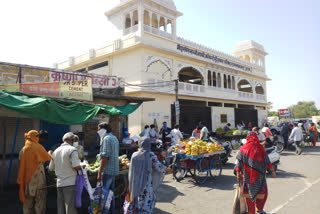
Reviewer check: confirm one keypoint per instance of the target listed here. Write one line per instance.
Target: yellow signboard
(80, 90)
(11, 88)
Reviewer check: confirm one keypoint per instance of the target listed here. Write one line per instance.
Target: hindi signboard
(32, 74)
(284, 112)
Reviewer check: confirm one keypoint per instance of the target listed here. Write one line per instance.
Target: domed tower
(139, 16)
(251, 51)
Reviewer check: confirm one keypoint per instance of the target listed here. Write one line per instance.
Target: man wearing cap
(65, 162)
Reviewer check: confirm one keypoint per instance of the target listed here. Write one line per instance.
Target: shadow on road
(284, 174)
(158, 211)
(166, 193)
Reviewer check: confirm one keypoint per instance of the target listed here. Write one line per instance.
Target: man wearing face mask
(165, 131)
(78, 147)
(109, 154)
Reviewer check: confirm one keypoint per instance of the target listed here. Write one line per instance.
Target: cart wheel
(215, 166)
(178, 171)
(191, 172)
(200, 171)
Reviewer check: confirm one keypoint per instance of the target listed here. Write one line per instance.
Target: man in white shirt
(176, 135)
(297, 136)
(65, 162)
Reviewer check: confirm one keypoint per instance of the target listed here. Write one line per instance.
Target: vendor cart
(198, 166)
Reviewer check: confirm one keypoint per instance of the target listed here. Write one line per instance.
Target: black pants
(285, 140)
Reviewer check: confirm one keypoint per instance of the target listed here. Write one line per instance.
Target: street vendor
(31, 178)
(204, 133)
(109, 154)
(196, 132)
(65, 162)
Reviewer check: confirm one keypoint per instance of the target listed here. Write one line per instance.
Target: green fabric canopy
(54, 110)
(128, 109)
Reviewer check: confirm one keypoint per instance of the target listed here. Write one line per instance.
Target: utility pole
(176, 104)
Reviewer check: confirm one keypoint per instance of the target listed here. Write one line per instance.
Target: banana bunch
(214, 147)
(195, 148)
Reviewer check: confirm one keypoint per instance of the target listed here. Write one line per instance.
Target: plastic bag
(239, 203)
(102, 199)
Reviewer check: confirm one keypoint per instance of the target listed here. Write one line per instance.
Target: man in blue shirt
(109, 154)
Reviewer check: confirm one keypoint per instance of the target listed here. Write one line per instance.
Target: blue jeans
(108, 181)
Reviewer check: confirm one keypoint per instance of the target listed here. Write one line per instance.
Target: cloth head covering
(140, 168)
(253, 161)
(33, 155)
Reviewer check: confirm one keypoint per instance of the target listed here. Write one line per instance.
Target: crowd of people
(146, 172)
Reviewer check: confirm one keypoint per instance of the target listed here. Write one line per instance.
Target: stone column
(131, 21)
(140, 20)
(174, 29)
(150, 14)
(165, 24)
(222, 80)
(158, 17)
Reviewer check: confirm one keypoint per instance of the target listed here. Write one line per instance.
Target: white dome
(248, 44)
(166, 3)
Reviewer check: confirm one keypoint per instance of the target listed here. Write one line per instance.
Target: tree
(272, 113)
(304, 109)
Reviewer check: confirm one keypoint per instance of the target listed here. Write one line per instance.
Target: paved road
(296, 190)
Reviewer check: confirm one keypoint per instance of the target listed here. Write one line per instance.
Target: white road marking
(308, 186)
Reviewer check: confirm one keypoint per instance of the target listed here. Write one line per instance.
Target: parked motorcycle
(277, 141)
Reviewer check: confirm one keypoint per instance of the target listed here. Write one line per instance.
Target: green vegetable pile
(94, 167)
(220, 131)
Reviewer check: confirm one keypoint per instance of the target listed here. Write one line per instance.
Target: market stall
(198, 158)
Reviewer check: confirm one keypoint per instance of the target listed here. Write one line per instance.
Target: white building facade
(216, 87)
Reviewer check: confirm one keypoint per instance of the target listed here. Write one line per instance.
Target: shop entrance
(246, 116)
(56, 132)
(190, 116)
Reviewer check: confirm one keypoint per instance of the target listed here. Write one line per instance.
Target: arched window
(219, 80)
(128, 21)
(214, 78)
(209, 78)
(229, 82)
(233, 83)
(247, 57)
(146, 18)
(245, 86)
(225, 81)
(190, 75)
(159, 70)
(135, 18)
(259, 89)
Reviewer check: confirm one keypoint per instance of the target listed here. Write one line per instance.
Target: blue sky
(41, 33)
(289, 30)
